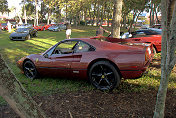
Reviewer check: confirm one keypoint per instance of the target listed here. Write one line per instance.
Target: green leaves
(4, 6)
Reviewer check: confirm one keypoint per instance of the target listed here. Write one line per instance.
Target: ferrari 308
(102, 62)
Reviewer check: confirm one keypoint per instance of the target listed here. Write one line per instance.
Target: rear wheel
(30, 70)
(104, 76)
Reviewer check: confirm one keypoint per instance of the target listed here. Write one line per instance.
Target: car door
(79, 63)
(59, 59)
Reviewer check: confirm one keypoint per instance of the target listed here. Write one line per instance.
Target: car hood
(17, 34)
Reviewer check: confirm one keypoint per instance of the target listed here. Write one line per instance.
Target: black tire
(104, 76)
(30, 70)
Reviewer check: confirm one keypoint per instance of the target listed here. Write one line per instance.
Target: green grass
(14, 50)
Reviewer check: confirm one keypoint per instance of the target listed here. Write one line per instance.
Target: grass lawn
(14, 50)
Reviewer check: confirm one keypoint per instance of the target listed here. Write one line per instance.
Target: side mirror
(46, 55)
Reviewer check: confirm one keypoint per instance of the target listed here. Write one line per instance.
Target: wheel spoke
(31, 73)
(107, 81)
(102, 69)
(27, 68)
(109, 73)
(100, 81)
(32, 69)
(97, 74)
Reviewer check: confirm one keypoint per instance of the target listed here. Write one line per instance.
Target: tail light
(148, 53)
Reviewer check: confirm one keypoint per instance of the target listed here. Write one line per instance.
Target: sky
(13, 3)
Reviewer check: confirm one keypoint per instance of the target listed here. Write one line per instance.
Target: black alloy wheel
(104, 76)
(30, 70)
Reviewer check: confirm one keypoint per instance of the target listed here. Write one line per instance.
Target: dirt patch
(96, 104)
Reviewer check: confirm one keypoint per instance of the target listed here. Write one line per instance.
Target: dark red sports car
(103, 63)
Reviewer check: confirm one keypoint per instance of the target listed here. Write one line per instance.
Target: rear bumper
(133, 74)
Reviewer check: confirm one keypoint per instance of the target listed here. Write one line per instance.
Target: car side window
(82, 47)
(65, 47)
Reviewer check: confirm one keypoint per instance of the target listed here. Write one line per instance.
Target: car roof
(99, 44)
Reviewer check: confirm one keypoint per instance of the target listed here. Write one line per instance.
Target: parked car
(24, 26)
(158, 26)
(55, 28)
(58, 27)
(40, 27)
(145, 26)
(153, 39)
(43, 27)
(62, 27)
(23, 34)
(103, 63)
(4, 26)
(51, 28)
(48, 26)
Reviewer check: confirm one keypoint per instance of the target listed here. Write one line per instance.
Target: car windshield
(159, 31)
(150, 31)
(22, 30)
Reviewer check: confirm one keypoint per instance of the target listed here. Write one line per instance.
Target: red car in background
(42, 27)
(150, 35)
(4, 26)
(102, 62)
(153, 39)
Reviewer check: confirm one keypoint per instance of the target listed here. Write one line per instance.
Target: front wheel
(104, 76)
(30, 70)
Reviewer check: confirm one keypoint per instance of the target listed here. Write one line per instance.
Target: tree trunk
(156, 16)
(168, 57)
(98, 13)
(151, 8)
(66, 12)
(85, 16)
(36, 3)
(108, 19)
(117, 18)
(48, 19)
(90, 16)
(132, 21)
(15, 94)
(124, 21)
(94, 13)
(153, 14)
(136, 20)
(25, 14)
